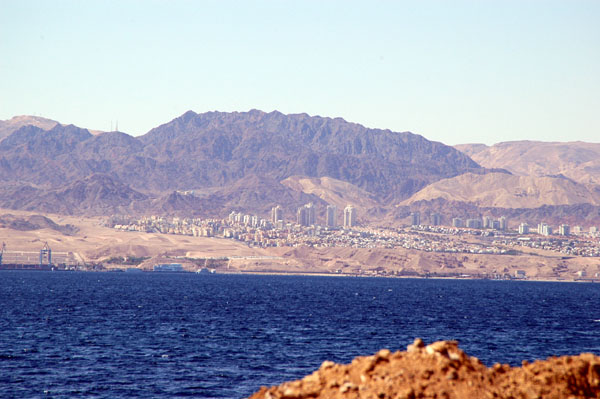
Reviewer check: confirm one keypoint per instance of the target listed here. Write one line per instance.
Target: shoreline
(320, 274)
(315, 274)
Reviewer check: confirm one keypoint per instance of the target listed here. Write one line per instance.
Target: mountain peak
(30, 120)
(9, 126)
(188, 115)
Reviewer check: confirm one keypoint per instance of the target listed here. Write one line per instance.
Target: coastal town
(475, 236)
(421, 246)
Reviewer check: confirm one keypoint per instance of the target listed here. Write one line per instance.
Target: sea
(175, 335)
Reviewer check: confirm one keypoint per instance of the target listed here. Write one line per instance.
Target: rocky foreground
(442, 370)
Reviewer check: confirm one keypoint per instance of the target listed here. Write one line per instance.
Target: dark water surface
(223, 336)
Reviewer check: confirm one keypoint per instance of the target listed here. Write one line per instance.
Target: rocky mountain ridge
(9, 126)
(227, 160)
(209, 164)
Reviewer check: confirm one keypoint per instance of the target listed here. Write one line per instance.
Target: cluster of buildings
(157, 224)
(563, 230)
(305, 216)
(485, 222)
(496, 238)
(245, 227)
(501, 224)
(278, 232)
(546, 230)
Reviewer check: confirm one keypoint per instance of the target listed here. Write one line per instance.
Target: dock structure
(46, 256)
(44, 259)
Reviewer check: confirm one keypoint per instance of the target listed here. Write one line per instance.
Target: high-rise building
(349, 217)
(503, 223)
(474, 223)
(331, 216)
(436, 219)
(301, 218)
(457, 222)
(276, 214)
(415, 219)
(523, 228)
(305, 216)
(310, 214)
(545, 230)
(487, 222)
(564, 230)
(239, 217)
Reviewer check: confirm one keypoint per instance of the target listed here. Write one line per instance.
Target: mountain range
(211, 163)
(226, 160)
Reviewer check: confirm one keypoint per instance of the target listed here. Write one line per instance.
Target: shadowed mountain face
(237, 159)
(218, 148)
(96, 195)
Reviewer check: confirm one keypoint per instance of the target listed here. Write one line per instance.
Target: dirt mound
(34, 222)
(442, 370)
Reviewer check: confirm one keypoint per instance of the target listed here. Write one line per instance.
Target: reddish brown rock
(442, 370)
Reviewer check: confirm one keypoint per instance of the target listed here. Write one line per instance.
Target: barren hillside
(502, 190)
(577, 160)
(333, 191)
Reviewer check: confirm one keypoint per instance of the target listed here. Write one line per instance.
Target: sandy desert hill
(576, 160)
(502, 190)
(333, 191)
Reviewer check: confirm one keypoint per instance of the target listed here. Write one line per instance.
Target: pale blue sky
(452, 71)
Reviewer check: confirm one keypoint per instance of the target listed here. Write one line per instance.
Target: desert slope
(577, 160)
(501, 190)
(333, 191)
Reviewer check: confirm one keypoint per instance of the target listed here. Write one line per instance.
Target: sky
(452, 71)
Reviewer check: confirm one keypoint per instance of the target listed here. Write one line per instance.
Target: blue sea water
(154, 335)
